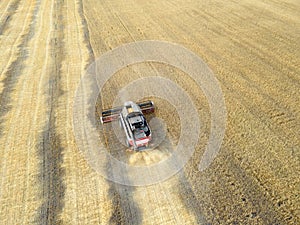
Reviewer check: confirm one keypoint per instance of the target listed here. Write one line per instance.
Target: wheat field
(251, 46)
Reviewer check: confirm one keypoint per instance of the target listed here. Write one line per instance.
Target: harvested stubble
(253, 49)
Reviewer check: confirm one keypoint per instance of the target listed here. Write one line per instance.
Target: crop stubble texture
(253, 49)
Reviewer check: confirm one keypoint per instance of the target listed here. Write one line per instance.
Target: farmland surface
(251, 46)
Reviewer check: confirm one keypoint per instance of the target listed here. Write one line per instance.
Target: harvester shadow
(125, 208)
(189, 199)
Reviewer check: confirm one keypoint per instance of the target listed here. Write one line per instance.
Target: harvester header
(113, 114)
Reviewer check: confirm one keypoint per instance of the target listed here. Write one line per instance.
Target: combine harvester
(132, 121)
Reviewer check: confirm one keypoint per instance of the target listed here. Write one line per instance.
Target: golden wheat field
(253, 49)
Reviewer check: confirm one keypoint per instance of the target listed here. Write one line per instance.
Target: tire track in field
(262, 204)
(12, 39)
(291, 114)
(125, 209)
(223, 29)
(244, 43)
(86, 32)
(16, 68)
(50, 150)
(7, 16)
(247, 200)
